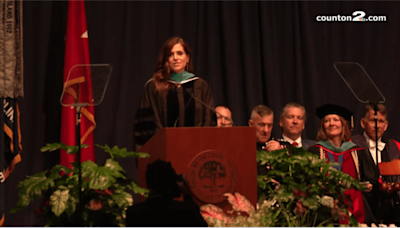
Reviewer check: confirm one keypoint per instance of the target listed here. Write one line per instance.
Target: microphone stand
(78, 107)
(208, 106)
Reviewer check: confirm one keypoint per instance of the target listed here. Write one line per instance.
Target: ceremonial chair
(392, 168)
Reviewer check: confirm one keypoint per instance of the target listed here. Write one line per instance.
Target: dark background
(250, 53)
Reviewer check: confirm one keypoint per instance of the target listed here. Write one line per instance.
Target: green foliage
(134, 187)
(106, 191)
(58, 201)
(311, 192)
(57, 146)
(115, 152)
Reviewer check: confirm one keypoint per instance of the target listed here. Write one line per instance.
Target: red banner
(77, 86)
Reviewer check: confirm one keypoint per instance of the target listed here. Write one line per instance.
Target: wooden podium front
(213, 161)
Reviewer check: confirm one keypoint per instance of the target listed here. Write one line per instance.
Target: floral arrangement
(243, 214)
(310, 193)
(106, 192)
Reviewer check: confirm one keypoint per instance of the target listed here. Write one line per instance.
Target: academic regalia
(346, 155)
(174, 107)
(378, 201)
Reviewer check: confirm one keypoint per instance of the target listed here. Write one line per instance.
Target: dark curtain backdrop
(250, 52)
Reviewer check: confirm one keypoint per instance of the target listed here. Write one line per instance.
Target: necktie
(294, 144)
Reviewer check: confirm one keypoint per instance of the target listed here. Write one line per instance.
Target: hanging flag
(11, 88)
(10, 144)
(77, 85)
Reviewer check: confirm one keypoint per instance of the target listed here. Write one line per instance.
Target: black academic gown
(379, 202)
(174, 107)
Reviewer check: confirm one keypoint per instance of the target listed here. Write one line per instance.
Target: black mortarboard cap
(334, 109)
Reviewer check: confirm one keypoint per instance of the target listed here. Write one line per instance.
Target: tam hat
(334, 109)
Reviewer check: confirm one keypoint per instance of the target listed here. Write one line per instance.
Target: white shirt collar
(372, 148)
(372, 144)
(298, 140)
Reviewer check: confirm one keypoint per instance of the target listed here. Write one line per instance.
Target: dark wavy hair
(163, 71)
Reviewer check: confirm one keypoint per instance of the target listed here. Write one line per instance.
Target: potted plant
(106, 192)
(310, 193)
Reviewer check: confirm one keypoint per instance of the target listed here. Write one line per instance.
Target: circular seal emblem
(211, 174)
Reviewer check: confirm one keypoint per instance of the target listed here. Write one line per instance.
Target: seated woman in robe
(174, 96)
(333, 143)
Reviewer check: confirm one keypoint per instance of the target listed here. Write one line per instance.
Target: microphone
(211, 108)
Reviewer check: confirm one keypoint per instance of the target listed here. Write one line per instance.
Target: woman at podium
(333, 143)
(174, 96)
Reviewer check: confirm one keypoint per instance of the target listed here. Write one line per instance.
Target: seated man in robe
(381, 203)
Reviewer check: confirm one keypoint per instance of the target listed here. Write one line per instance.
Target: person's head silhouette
(161, 179)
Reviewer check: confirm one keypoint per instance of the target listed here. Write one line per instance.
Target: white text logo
(358, 15)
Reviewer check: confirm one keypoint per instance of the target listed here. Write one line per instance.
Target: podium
(213, 160)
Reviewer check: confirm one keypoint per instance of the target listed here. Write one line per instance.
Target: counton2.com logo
(356, 16)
